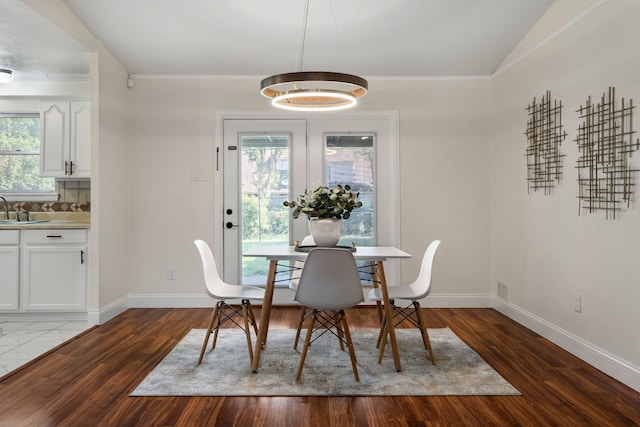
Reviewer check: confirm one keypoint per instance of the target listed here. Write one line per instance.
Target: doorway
(264, 161)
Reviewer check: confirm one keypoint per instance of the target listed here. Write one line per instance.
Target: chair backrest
(329, 280)
(215, 286)
(308, 241)
(297, 266)
(422, 285)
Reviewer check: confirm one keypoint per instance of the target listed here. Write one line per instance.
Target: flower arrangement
(323, 202)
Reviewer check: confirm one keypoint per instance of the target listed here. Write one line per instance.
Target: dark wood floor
(87, 382)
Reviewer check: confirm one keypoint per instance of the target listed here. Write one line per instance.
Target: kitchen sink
(14, 222)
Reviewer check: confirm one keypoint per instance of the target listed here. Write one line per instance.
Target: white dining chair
(293, 285)
(328, 285)
(413, 292)
(223, 312)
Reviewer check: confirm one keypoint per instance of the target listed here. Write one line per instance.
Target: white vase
(325, 231)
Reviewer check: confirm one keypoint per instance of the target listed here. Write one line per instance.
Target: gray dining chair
(414, 292)
(223, 312)
(328, 285)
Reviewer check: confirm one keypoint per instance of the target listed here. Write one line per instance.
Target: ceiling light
(313, 90)
(6, 76)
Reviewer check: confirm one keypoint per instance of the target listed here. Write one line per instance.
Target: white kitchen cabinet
(9, 270)
(65, 135)
(54, 270)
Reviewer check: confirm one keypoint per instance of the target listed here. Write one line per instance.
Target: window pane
(350, 159)
(265, 185)
(20, 155)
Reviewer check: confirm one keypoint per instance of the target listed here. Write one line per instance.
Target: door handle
(231, 225)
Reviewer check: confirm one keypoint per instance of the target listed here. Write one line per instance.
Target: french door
(264, 162)
(267, 161)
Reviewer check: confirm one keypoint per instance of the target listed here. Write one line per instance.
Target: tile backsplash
(74, 196)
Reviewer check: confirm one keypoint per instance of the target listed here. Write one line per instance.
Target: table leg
(265, 315)
(375, 279)
(388, 311)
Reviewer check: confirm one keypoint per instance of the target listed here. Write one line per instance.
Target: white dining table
(374, 255)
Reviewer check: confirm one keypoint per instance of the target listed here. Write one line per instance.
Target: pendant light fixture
(313, 90)
(6, 75)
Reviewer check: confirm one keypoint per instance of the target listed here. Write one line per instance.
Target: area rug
(226, 370)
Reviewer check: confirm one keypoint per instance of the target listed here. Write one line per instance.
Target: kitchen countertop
(54, 220)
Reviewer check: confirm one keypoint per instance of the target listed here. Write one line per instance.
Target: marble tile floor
(23, 341)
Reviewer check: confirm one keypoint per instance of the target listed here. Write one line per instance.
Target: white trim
(284, 296)
(393, 154)
(606, 362)
(170, 301)
(110, 311)
(258, 78)
(52, 316)
(458, 301)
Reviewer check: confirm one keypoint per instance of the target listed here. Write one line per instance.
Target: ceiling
(33, 48)
(372, 38)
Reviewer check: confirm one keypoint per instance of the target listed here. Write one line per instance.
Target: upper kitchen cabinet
(65, 135)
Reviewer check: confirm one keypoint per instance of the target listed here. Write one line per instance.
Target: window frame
(31, 196)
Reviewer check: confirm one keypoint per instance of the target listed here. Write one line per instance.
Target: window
(350, 159)
(20, 157)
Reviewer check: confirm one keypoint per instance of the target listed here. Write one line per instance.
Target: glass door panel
(350, 159)
(264, 162)
(264, 186)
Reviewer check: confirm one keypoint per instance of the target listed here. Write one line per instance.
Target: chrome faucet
(6, 207)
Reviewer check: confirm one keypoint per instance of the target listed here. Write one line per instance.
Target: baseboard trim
(110, 311)
(45, 316)
(170, 301)
(284, 296)
(595, 356)
(458, 301)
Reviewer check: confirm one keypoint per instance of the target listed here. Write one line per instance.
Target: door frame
(391, 152)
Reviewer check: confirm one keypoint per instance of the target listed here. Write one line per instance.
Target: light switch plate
(199, 175)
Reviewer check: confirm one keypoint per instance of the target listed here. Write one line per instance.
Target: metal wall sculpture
(544, 137)
(605, 145)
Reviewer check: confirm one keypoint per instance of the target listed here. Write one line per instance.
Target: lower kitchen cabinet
(9, 270)
(54, 270)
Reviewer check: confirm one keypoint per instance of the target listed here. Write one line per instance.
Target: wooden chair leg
(213, 317)
(383, 327)
(307, 341)
(245, 317)
(216, 326)
(339, 332)
(423, 331)
(352, 352)
(303, 313)
(252, 317)
(382, 336)
(383, 342)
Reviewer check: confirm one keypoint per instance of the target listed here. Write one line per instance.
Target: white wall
(444, 161)
(542, 249)
(111, 184)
